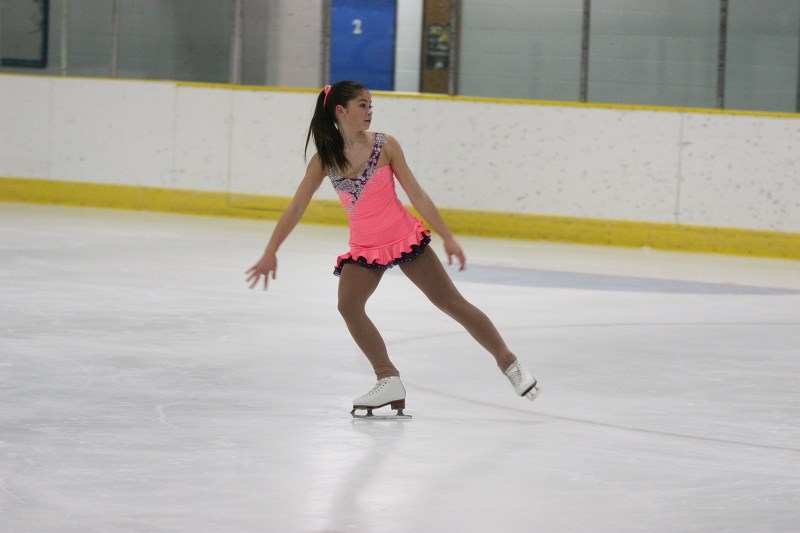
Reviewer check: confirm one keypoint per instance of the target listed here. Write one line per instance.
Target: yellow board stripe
(465, 222)
(165, 200)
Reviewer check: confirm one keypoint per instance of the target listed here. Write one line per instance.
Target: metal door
(363, 42)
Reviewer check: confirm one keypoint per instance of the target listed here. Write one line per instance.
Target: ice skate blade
(369, 416)
(532, 393)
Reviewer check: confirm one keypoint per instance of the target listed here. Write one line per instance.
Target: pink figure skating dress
(382, 231)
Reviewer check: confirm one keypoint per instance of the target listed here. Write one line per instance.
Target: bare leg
(356, 285)
(427, 273)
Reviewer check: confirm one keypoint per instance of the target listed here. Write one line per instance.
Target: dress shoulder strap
(372, 162)
(377, 147)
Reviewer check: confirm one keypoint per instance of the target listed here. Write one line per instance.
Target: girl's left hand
(452, 248)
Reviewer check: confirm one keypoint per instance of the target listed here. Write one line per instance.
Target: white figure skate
(387, 391)
(522, 380)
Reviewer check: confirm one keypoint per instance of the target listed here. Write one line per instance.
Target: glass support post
(585, 30)
(721, 52)
(114, 37)
(235, 67)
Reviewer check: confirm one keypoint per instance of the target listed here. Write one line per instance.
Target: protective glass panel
(654, 52)
(762, 55)
(521, 49)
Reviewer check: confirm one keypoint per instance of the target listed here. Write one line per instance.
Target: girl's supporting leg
(356, 285)
(427, 273)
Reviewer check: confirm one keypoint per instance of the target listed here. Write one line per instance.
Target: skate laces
(516, 373)
(522, 381)
(378, 386)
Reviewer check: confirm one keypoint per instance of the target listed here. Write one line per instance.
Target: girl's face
(358, 113)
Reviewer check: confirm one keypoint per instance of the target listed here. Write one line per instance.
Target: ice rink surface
(144, 387)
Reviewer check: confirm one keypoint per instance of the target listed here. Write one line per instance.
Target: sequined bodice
(383, 232)
(355, 186)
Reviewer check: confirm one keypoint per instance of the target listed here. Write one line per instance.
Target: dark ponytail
(327, 139)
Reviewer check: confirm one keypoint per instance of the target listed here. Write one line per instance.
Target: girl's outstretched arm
(267, 266)
(422, 202)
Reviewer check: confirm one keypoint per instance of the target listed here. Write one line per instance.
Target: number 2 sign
(363, 42)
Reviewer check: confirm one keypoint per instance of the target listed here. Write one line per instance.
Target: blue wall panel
(363, 42)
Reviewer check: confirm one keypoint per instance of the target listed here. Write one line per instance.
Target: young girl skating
(362, 166)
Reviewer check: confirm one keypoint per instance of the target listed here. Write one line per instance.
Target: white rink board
(648, 166)
(123, 133)
(596, 163)
(202, 139)
(741, 168)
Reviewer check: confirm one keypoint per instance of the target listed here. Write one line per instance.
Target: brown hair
(327, 139)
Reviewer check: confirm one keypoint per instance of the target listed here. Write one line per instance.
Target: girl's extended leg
(427, 273)
(356, 285)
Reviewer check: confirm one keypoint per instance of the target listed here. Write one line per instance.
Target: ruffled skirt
(387, 256)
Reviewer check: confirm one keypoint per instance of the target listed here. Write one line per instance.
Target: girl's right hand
(267, 266)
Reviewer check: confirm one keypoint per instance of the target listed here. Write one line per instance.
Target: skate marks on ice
(598, 423)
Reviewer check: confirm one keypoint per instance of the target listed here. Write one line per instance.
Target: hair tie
(326, 90)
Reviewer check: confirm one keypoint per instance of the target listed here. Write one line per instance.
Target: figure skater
(362, 166)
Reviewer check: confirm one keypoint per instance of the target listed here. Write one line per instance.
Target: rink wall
(683, 179)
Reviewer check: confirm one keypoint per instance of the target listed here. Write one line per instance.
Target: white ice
(144, 387)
